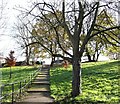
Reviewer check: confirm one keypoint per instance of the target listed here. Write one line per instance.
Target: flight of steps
(39, 91)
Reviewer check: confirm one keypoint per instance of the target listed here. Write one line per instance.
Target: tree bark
(98, 53)
(53, 59)
(93, 57)
(76, 78)
(10, 73)
(27, 56)
(88, 55)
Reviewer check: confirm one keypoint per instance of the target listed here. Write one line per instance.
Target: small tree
(11, 61)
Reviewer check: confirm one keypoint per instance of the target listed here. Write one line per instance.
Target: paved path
(39, 91)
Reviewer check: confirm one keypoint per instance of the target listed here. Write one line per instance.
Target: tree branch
(65, 58)
(89, 32)
(107, 29)
(57, 34)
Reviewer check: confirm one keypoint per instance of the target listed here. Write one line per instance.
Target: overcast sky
(7, 43)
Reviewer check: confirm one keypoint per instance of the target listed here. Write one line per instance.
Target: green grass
(19, 73)
(100, 83)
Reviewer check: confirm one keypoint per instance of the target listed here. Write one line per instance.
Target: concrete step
(38, 88)
(26, 102)
(38, 98)
(31, 103)
(41, 82)
(45, 69)
(43, 74)
(43, 77)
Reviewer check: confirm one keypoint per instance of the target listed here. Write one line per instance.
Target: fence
(15, 90)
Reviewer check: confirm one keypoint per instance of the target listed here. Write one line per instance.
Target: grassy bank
(20, 74)
(100, 83)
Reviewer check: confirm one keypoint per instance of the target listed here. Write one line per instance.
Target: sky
(7, 43)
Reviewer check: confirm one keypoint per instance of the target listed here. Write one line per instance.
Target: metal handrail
(19, 91)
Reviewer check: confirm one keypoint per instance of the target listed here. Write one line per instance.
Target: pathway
(39, 91)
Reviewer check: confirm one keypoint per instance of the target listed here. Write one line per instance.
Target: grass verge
(100, 83)
(19, 74)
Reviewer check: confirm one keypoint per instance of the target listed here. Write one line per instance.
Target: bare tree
(73, 17)
(23, 38)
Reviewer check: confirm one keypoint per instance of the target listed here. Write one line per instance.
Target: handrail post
(31, 78)
(12, 93)
(25, 84)
(20, 89)
(1, 93)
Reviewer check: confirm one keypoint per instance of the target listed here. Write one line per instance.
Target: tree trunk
(27, 60)
(98, 53)
(10, 73)
(93, 58)
(76, 78)
(88, 55)
(53, 59)
(27, 56)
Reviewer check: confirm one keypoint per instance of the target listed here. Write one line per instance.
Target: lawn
(100, 83)
(19, 73)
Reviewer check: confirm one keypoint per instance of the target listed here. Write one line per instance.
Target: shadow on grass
(99, 83)
(108, 70)
(60, 82)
